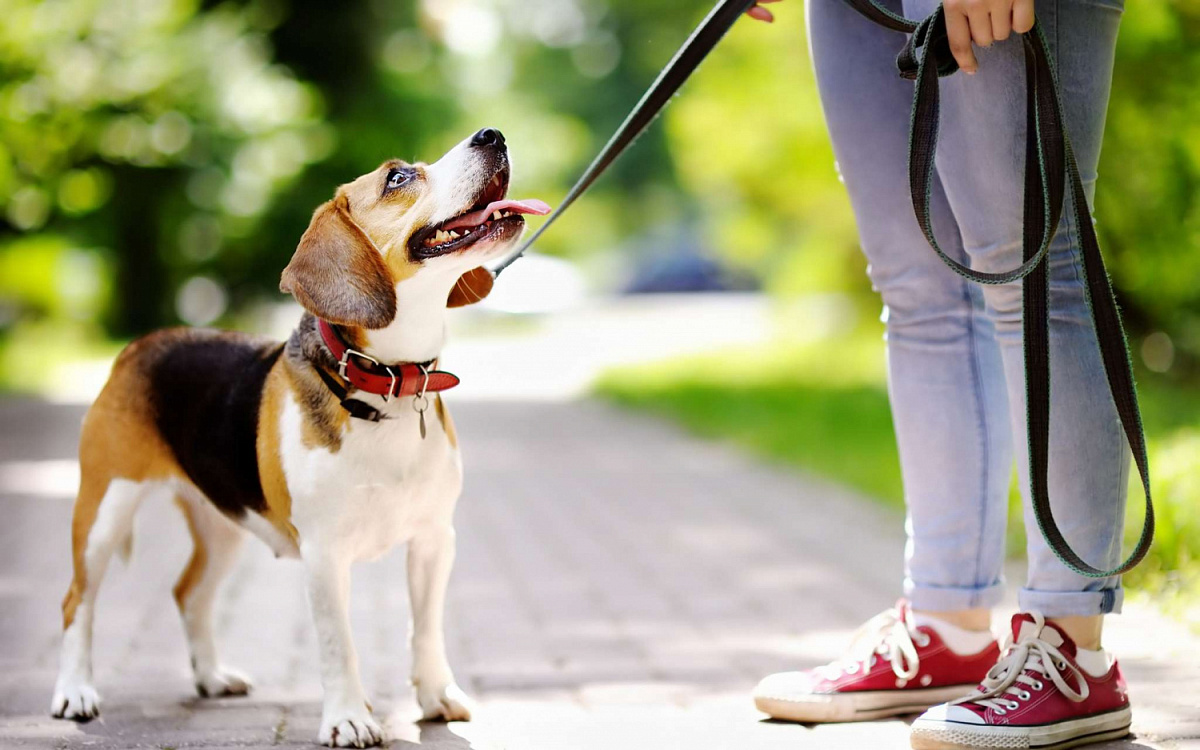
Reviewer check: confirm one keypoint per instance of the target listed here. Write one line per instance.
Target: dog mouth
(491, 216)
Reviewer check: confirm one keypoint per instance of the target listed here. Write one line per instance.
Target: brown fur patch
(199, 560)
(447, 423)
(119, 440)
(355, 337)
(325, 431)
(385, 216)
(401, 266)
(325, 421)
(270, 467)
(336, 272)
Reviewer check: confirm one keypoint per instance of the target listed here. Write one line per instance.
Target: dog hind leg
(216, 541)
(103, 516)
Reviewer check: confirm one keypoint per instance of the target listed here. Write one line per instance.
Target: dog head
(434, 224)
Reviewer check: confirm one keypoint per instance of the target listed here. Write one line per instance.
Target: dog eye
(397, 178)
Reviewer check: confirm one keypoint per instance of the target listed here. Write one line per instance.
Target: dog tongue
(475, 218)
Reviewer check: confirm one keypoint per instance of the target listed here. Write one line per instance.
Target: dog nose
(488, 137)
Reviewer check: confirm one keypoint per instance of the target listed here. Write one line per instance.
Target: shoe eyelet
(872, 662)
(1013, 705)
(1038, 685)
(852, 669)
(999, 711)
(1024, 695)
(923, 641)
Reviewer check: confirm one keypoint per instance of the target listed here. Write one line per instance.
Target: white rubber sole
(820, 708)
(944, 735)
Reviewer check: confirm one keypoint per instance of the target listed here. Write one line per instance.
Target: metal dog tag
(420, 404)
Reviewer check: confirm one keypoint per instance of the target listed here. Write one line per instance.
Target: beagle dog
(332, 447)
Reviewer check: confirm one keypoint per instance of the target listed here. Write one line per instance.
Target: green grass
(821, 405)
(794, 403)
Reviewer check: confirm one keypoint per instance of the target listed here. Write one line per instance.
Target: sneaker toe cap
(785, 684)
(951, 713)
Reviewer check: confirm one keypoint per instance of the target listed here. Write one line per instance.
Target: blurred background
(160, 158)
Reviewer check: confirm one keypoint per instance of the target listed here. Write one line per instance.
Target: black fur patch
(206, 388)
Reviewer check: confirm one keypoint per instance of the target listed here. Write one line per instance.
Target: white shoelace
(1010, 675)
(888, 634)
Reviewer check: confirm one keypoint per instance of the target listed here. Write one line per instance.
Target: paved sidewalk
(619, 585)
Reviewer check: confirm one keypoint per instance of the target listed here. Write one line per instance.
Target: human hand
(984, 22)
(759, 13)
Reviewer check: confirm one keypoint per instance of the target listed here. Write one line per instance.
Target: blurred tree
(151, 128)
(1148, 194)
(173, 150)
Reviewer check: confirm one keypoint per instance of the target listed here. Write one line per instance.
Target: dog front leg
(430, 557)
(346, 718)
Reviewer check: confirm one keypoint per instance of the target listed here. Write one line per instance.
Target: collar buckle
(345, 361)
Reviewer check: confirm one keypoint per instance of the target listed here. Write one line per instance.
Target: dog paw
(445, 703)
(350, 729)
(222, 682)
(75, 701)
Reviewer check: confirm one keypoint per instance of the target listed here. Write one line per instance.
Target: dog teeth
(442, 236)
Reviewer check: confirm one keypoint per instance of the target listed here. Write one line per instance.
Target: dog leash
(702, 41)
(1050, 170)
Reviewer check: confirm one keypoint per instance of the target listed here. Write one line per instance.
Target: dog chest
(384, 482)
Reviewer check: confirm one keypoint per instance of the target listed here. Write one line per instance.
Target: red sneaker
(1035, 697)
(892, 668)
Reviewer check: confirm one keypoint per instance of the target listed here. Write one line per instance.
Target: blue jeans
(955, 359)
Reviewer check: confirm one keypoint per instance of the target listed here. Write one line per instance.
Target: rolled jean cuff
(1072, 603)
(951, 598)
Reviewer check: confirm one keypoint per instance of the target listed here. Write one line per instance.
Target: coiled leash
(1050, 169)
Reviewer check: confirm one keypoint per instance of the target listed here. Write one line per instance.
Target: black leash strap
(1050, 170)
(702, 41)
(357, 409)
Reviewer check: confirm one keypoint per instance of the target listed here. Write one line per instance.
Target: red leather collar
(403, 379)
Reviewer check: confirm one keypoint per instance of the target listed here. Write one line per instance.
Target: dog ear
(337, 274)
(471, 287)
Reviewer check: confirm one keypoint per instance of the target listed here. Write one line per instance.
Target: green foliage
(80, 284)
(798, 404)
(153, 128)
(183, 145)
(750, 145)
(1148, 194)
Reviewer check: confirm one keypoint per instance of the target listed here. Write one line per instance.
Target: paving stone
(618, 585)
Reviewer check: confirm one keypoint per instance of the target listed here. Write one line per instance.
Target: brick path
(619, 585)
